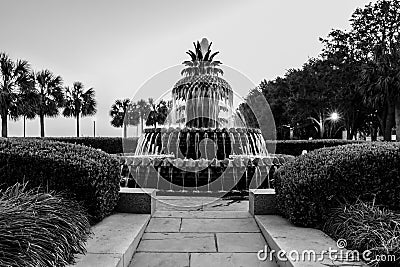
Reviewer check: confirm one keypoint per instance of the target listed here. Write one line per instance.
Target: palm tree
(27, 103)
(79, 103)
(133, 116)
(381, 88)
(51, 97)
(14, 79)
(144, 109)
(158, 114)
(123, 113)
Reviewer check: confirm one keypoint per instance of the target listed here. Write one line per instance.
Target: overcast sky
(116, 46)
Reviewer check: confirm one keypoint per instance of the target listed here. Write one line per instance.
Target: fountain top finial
(204, 44)
(202, 60)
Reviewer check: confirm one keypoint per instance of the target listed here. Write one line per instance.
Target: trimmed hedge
(83, 173)
(309, 187)
(110, 145)
(117, 145)
(295, 147)
(39, 229)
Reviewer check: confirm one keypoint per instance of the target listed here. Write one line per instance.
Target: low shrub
(296, 147)
(83, 173)
(310, 186)
(40, 229)
(366, 226)
(110, 145)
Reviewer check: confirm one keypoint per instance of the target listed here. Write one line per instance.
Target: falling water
(169, 143)
(232, 137)
(223, 145)
(196, 144)
(163, 143)
(158, 176)
(196, 178)
(178, 154)
(205, 145)
(215, 142)
(208, 179)
(187, 144)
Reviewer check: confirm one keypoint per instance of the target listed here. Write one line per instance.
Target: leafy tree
(313, 94)
(124, 113)
(277, 94)
(357, 74)
(50, 95)
(14, 80)
(340, 51)
(79, 103)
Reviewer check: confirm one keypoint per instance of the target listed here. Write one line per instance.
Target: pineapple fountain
(206, 151)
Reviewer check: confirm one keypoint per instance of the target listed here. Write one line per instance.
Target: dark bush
(85, 174)
(366, 226)
(39, 229)
(295, 147)
(309, 187)
(111, 145)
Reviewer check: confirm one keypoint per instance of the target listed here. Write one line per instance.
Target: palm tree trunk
(77, 125)
(4, 124)
(397, 119)
(389, 122)
(41, 120)
(374, 135)
(24, 126)
(125, 130)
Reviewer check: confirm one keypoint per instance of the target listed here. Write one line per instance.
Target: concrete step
(281, 235)
(114, 241)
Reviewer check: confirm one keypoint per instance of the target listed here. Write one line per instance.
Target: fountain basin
(238, 173)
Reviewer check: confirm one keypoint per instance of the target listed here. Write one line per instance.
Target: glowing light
(334, 116)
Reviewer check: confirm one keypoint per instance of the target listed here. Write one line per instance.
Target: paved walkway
(202, 233)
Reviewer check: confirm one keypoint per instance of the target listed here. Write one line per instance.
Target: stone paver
(240, 242)
(99, 260)
(241, 225)
(145, 259)
(164, 225)
(214, 233)
(228, 260)
(177, 242)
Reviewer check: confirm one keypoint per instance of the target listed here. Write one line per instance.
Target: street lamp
(334, 116)
(94, 126)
